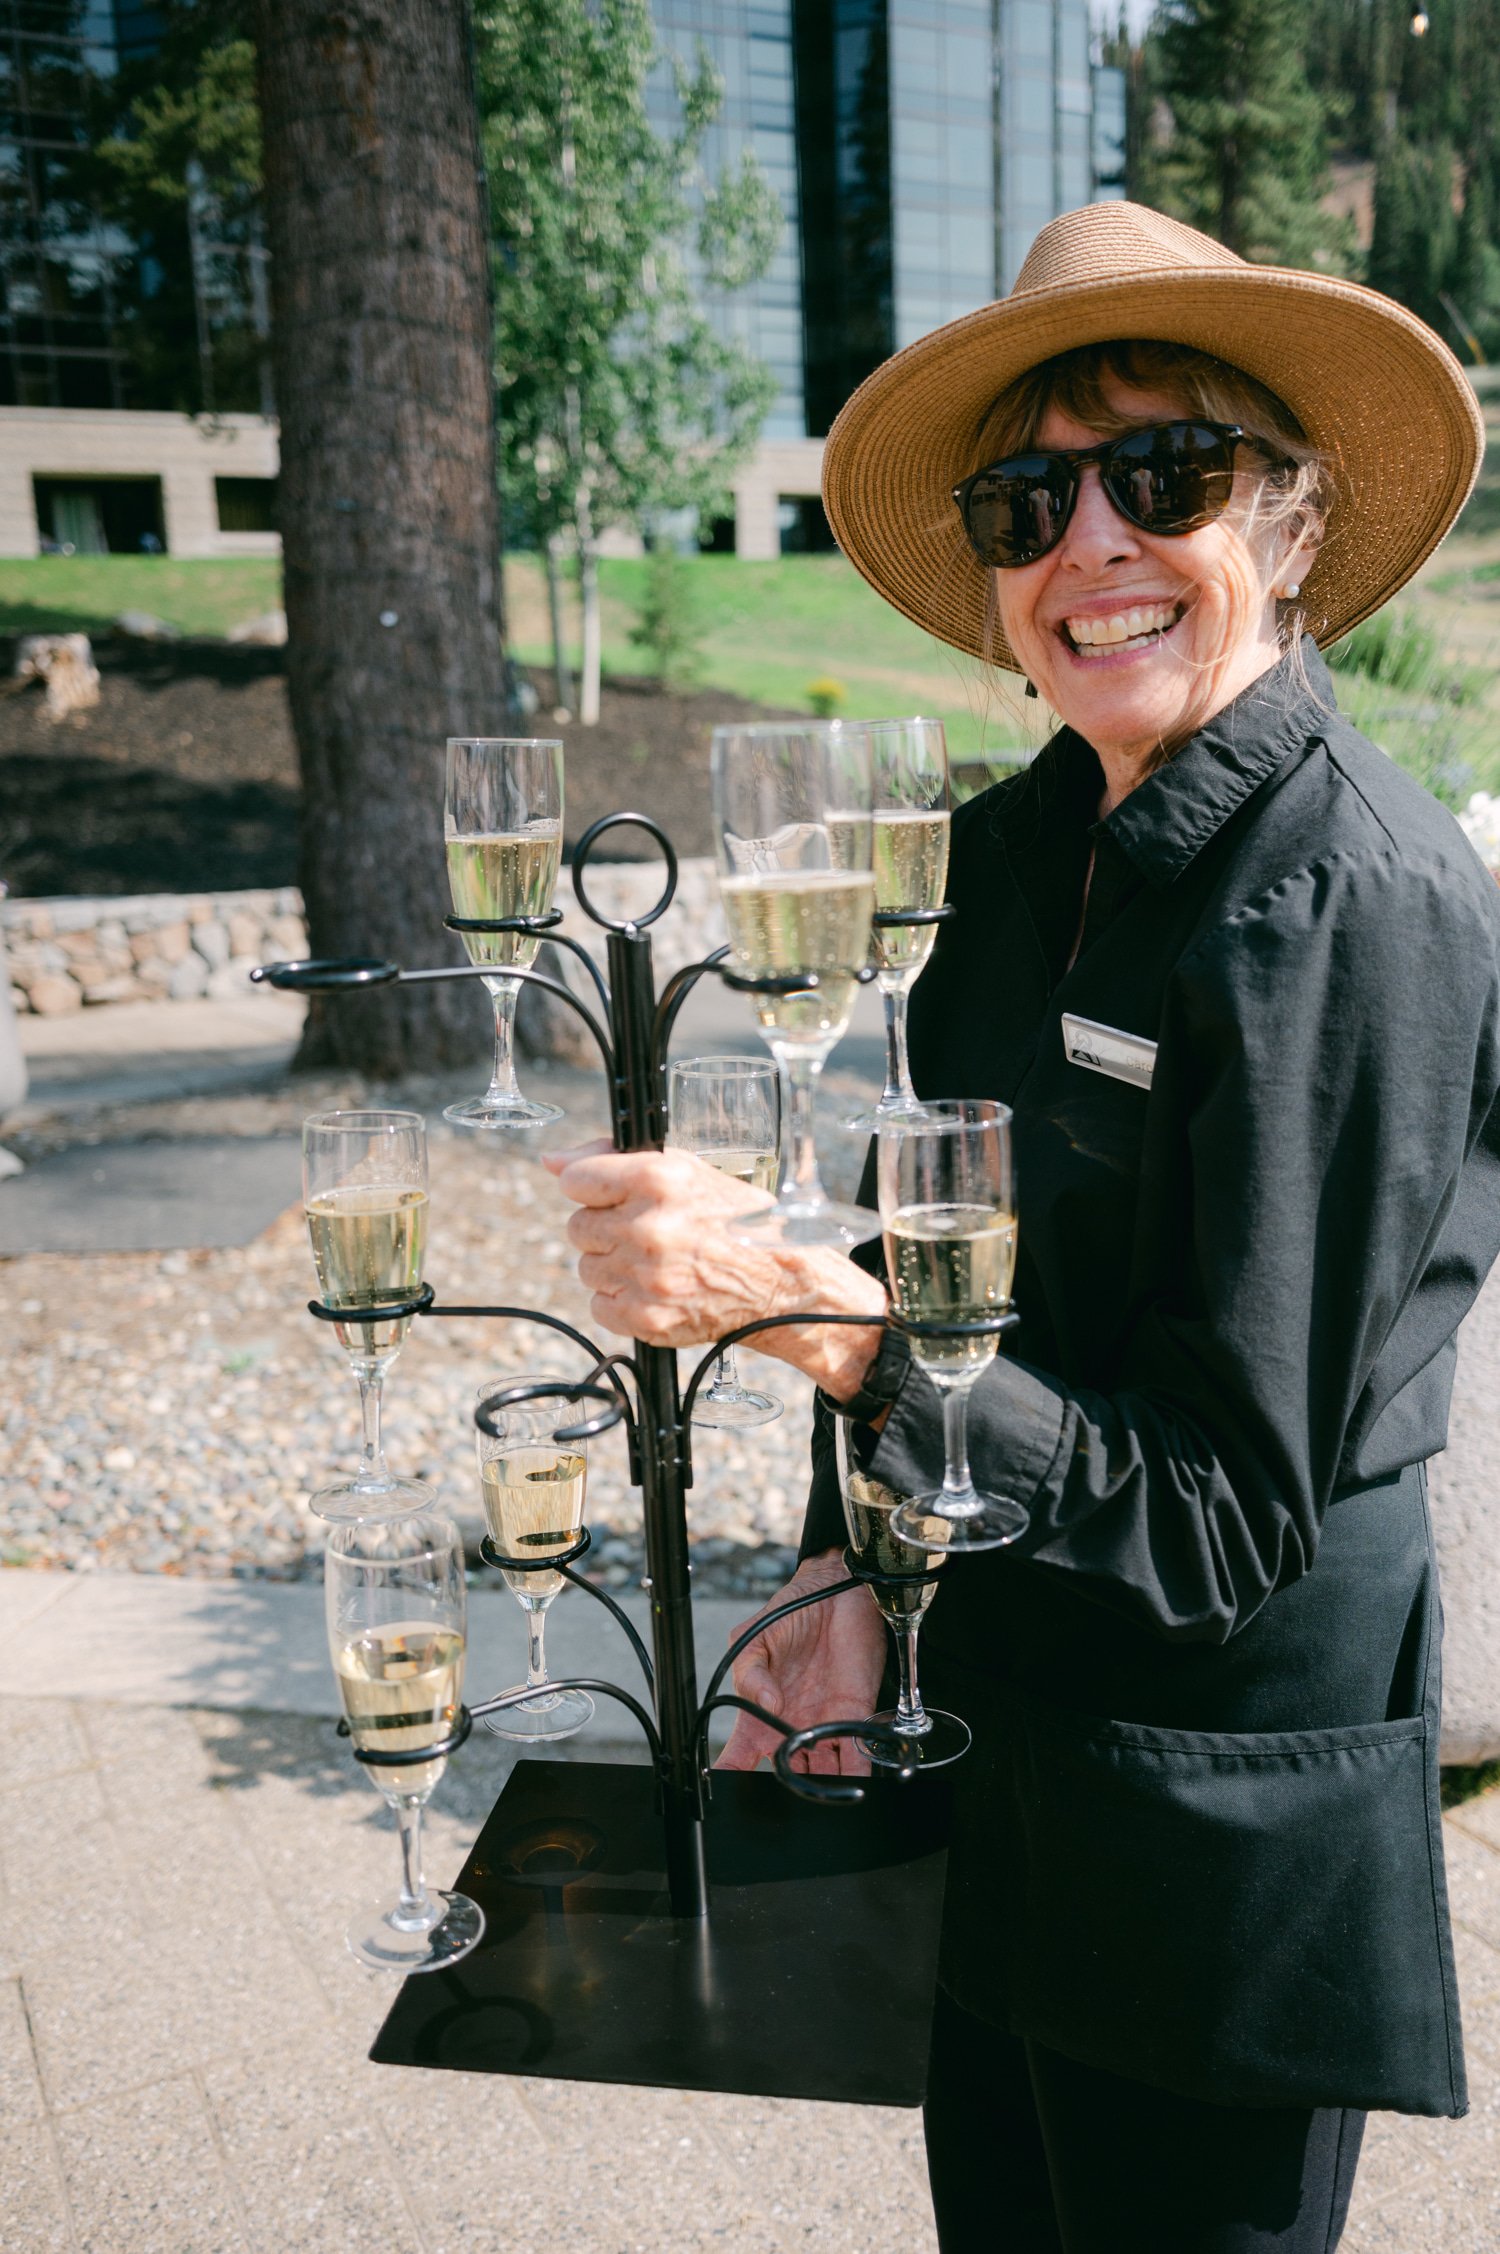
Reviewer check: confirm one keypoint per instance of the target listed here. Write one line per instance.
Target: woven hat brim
(1375, 390)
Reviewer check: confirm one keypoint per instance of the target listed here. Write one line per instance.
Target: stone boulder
(64, 664)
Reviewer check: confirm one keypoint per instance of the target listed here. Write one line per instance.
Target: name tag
(1102, 1048)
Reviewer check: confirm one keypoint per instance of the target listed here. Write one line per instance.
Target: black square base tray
(812, 1976)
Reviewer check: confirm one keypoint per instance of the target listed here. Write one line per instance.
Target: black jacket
(1198, 1840)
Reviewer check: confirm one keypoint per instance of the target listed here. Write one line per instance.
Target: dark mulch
(184, 778)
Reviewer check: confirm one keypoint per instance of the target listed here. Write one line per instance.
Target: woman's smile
(1119, 627)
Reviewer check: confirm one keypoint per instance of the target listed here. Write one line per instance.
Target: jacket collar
(1171, 816)
(1168, 818)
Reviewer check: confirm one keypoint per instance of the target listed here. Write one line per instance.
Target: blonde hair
(1293, 493)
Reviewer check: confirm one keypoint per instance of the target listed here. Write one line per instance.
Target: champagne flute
(394, 1597)
(364, 1181)
(911, 871)
(725, 1111)
(792, 809)
(948, 1213)
(931, 1738)
(502, 826)
(533, 1487)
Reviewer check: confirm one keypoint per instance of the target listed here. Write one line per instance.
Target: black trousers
(1030, 2153)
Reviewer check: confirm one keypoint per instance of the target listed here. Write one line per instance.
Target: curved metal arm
(622, 1619)
(562, 1564)
(766, 1322)
(816, 1788)
(537, 927)
(673, 995)
(317, 975)
(758, 1627)
(604, 1364)
(552, 1389)
(583, 1683)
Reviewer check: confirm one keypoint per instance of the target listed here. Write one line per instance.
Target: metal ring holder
(658, 1418)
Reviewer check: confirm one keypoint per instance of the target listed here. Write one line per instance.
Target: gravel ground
(170, 1413)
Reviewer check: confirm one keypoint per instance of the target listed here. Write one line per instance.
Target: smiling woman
(1238, 981)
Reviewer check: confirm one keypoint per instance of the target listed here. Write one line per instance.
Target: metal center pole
(638, 1126)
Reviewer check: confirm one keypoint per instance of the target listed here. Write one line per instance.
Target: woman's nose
(1097, 534)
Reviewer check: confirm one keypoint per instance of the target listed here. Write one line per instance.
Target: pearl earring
(1292, 590)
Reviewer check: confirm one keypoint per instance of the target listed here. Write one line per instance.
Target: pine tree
(1245, 155)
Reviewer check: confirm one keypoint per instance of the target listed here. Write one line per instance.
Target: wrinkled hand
(663, 1267)
(822, 1665)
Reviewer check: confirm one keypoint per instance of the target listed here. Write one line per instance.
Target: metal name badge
(1103, 1048)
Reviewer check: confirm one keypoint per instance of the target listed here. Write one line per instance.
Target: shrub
(667, 627)
(826, 696)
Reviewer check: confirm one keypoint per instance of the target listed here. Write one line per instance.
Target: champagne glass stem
(958, 1480)
(726, 1373)
(895, 992)
(415, 1908)
(504, 993)
(911, 1714)
(800, 1075)
(536, 1646)
(372, 1465)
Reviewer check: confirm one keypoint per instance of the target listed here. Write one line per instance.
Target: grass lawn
(71, 594)
(768, 629)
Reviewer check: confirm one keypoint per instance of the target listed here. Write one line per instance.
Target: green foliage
(1459, 1785)
(827, 696)
(81, 594)
(1401, 650)
(667, 626)
(1399, 682)
(1243, 150)
(617, 399)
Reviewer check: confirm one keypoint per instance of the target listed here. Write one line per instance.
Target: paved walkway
(182, 2065)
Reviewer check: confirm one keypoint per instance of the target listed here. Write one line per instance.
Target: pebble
(182, 1426)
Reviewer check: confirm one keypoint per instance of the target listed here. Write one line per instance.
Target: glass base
(988, 1523)
(901, 1111)
(378, 1941)
(558, 1713)
(354, 1501)
(501, 1112)
(735, 1408)
(805, 1222)
(945, 1739)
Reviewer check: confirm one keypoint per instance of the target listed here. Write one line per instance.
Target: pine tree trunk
(389, 511)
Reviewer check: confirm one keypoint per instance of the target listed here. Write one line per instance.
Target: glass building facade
(916, 146)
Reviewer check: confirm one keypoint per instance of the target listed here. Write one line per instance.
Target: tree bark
(382, 340)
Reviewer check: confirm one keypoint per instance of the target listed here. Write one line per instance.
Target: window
(246, 504)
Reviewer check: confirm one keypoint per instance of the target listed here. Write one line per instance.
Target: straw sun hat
(1374, 389)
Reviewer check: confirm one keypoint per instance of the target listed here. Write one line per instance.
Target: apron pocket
(1253, 1919)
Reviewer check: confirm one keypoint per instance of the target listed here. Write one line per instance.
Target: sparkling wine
(911, 869)
(368, 1243)
(757, 1167)
(867, 1513)
(533, 1500)
(951, 1264)
(792, 920)
(400, 1684)
(510, 875)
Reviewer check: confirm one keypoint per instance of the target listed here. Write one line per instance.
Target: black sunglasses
(1169, 477)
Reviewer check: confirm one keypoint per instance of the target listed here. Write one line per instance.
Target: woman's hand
(663, 1268)
(822, 1665)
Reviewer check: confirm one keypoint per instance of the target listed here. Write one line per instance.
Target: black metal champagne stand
(828, 1882)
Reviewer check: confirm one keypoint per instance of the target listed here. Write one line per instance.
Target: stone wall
(70, 954)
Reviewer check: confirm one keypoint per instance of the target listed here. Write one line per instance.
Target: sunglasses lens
(1172, 478)
(1016, 511)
